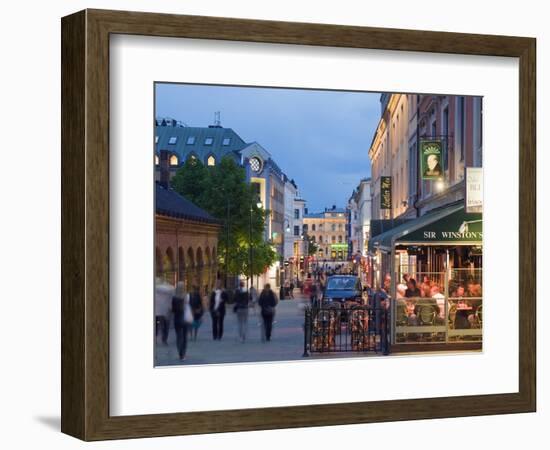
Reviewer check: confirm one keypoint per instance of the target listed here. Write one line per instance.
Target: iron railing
(335, 328)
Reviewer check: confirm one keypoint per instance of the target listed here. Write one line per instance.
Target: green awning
(450, 225)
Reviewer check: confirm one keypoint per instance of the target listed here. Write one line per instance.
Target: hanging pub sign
(473, 197)
(385, 192)
(431, 159)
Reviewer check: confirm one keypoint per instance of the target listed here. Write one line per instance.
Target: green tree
(191, 181)
(312, 247)
(223, 191)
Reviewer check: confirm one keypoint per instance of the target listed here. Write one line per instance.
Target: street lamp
(250, 249)
(287, 229)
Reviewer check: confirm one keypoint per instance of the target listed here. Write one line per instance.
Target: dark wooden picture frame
(85, 224)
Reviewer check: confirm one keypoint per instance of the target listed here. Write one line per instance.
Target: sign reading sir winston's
(431, 159)
(385, 192)
(456, 227)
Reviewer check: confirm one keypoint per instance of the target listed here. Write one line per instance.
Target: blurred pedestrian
(163, 297)
(218, 297)
(242, 300)
(197, 308)
(314, 294)
(183, 317)
(267, 301)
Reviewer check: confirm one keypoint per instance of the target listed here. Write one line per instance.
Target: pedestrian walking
(197, 309)
(267, 301)
(314, 294)
(241, 309)
(217, 310)
(163, 297)
(291, 292)
(183, 317)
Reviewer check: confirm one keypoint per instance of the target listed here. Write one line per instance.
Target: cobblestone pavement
(287, 341)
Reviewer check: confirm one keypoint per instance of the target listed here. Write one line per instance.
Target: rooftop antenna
(217, 120)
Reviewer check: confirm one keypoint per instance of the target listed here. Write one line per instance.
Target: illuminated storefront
(442, 252)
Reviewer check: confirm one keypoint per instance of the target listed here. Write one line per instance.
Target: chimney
(164, 165)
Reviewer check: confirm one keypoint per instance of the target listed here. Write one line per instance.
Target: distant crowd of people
(186, 311)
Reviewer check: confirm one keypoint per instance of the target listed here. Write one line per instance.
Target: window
(211, 161)
(333, 227)
(462, 128)
(313, 238)
(340, 239)
(305, 228)
(226, 142)
(297, 214)
(156, 139)
(333, 238)
(255, 164)
(445, 133)
(340, 227)
(434, 128)
(172, 140)
(191, 140)
(209, 141)
(296, 230)
(173, 160)
(157, 160)
(191, 159)
(412, 171)
(312, 227)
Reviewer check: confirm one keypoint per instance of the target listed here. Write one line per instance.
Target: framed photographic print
(271, 211)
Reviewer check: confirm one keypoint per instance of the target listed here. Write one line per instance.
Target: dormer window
(209, 141)
(191, 140)
(226, 142)
(172, 140)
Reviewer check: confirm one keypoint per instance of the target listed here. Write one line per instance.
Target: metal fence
(336, 328)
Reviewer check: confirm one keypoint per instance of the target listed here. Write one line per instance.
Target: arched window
(158, 261)
(181, 264)
(168, 262)
(340, 239)
(191, 159)
(211, 161)
(173, 160)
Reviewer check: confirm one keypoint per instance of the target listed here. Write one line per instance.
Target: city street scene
(299, 224)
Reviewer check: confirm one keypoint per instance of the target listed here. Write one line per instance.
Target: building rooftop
(198, 141)
(169, 203)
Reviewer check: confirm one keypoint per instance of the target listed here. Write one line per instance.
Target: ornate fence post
(307, 330)
(385, 334)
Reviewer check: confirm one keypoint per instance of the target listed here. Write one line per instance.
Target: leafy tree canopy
(224, 192)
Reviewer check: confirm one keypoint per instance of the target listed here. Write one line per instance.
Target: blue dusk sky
(319, 138)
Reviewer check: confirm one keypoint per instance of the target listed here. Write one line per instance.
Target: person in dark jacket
(241, 309)
(180, 324)
(197, 309)
(267, 301)
(217, 310)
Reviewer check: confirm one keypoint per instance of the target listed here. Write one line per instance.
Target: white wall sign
(474, 190)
